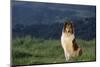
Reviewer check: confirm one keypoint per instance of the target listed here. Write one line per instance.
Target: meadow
(29, 50)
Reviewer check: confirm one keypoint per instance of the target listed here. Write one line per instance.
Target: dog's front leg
(67, 55)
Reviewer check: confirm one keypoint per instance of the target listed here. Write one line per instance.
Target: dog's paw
(79, 52)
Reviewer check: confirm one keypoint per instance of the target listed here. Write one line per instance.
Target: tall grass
(29, 50)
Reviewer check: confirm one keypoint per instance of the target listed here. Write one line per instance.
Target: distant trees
(83, 30)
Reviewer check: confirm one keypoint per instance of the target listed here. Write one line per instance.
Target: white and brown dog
(71, 49)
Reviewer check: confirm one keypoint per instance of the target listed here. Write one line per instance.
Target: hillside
(45, 20)
(86, 31)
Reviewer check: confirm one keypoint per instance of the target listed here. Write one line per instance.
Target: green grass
(28, 50)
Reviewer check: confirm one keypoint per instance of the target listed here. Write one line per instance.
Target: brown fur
(75, 46)
(70, 26)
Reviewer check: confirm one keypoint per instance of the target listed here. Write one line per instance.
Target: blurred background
(45, 20)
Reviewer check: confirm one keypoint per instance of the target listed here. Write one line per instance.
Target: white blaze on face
(67, 30)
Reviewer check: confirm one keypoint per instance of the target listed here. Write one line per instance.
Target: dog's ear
(65, 26)
(71, 23)
(72, 26)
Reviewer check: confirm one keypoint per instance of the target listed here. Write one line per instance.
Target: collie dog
(69, 45)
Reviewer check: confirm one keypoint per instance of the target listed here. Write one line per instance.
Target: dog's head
(68, 27)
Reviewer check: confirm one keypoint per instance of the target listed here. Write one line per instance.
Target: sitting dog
(69, 45)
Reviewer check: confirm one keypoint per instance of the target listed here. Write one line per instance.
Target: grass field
(28, 50)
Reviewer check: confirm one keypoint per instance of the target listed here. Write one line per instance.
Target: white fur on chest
(65, 40)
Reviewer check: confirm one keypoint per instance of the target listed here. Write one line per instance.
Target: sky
(81, 11)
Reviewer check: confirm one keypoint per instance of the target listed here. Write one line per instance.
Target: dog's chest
(66, 40)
